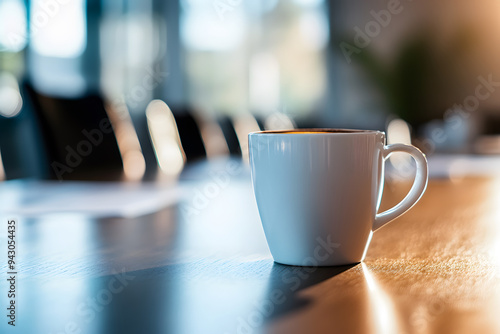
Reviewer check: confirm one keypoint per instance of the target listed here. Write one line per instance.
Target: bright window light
(205, 27)
(314, 30)
(12, 25)
(264, 82)
(58, 28)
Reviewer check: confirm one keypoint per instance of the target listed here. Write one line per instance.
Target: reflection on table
(204, 267)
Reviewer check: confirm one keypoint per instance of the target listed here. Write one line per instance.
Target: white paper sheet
(35, 198)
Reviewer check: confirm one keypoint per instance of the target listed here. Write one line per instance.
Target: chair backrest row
(86, 138)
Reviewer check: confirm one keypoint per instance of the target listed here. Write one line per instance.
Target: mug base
(323, 264)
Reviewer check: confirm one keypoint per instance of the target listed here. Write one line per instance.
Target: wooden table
(434, 270)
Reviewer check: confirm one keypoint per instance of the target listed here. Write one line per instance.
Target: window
(260, 55)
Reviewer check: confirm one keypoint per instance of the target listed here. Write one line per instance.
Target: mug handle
(416, 191)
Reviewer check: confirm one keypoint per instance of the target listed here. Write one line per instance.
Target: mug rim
(316, 131)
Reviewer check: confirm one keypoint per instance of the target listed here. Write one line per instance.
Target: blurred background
(135, 90)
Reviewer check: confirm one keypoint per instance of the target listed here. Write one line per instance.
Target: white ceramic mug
(318, 192)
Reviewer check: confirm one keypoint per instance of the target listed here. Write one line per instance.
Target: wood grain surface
(434, 270)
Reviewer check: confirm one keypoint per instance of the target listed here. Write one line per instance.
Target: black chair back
(78, 137)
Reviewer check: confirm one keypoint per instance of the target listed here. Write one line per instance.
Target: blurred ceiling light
(314, 30)
(203, 27)
(134, 165)
(243, 125)
(10, 97)
(58, 28)
(398, 131)
(165, 138)
(12, 25)
(264, 82)
(279, 121)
